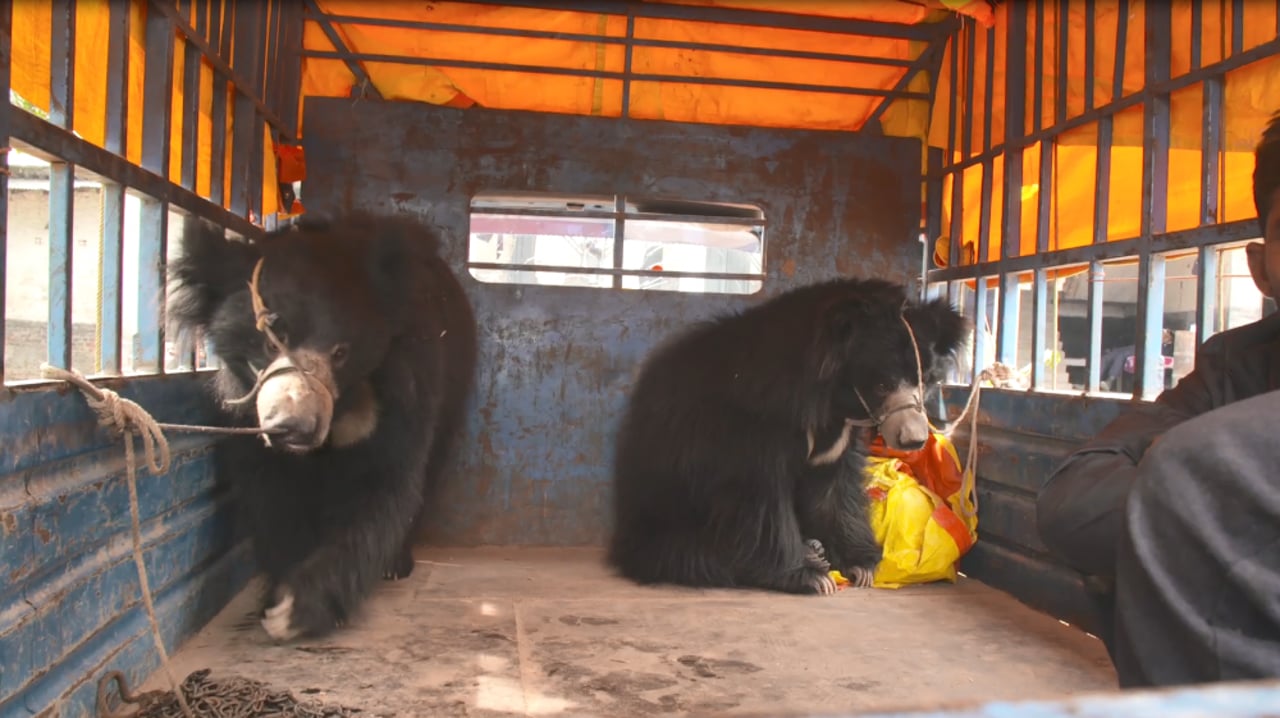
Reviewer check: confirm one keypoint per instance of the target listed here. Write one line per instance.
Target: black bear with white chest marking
(368, 395)
(739, 460)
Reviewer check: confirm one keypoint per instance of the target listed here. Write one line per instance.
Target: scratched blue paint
(556, 363)
(68, 586)
(1022, 438)
(1236, 700)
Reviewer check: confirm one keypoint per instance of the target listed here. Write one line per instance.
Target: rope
(127, 419)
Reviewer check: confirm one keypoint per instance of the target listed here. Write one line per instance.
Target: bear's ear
(937, 324)
(210, 268)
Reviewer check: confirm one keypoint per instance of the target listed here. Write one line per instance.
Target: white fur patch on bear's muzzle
(905, 426)
(295, 401)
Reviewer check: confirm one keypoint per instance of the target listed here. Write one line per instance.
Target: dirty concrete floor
(550, 632)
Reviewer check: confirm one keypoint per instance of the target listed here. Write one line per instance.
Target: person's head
(1264, 256)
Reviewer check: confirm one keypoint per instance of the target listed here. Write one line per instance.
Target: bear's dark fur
(379, 314)
(735, 458)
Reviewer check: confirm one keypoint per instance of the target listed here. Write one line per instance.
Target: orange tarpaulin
(1250, 92)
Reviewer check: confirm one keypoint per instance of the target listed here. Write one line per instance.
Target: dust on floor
(550, 632)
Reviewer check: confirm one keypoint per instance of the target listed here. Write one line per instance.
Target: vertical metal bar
(1197, 34)
(984, 211)
(971, 56)
(953, 110)
(1097, 275)
(111, 243)
(1060, 97)
(157, 101)
(245, 117)
(220, 40)
(626, 64)
(1037, 92)
(1210, 158)
(1097, 271)
(275, 34)
(256, 169)
(6, 57)
(62, 50)
(956, 289)
(1237, 27)
(619, 237)
(1015, 108)
(1122, 48)
(987, 90)
(932, 203)
(192, 62)
(1090, 44)
(1149, 369)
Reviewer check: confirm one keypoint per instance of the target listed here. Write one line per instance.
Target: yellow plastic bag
(923, 512)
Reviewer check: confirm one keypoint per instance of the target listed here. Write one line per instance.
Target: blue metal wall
(69, 603)
(557, 362)
(1022, 437)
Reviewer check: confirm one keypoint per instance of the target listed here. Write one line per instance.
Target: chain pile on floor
(234, 697)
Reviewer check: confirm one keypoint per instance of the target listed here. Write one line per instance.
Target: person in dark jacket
(1172, 512)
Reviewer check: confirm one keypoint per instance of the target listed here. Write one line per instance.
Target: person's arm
(1079, 510)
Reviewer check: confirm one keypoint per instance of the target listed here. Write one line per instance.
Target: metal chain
(233, 697)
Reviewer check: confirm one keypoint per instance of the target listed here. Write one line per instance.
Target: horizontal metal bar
(730, 16)
(602, 74)
(57, 143)
(1254, 54)
(613, 271)
(631, 216)
(239, 82)
(1237, 231)
(604, 39)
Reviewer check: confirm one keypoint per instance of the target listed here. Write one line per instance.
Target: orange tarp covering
(1251, 91)
(30, 73)
(1251, 96)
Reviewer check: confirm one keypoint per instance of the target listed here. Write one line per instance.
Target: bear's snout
(295, 409)
(906, 428)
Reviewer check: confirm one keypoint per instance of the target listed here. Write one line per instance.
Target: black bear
(358, 360)
(739, 459)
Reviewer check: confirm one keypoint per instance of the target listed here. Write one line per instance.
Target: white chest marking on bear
(359, 420)
(836, 450)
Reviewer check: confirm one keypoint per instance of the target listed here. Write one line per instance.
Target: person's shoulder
(1243, 339)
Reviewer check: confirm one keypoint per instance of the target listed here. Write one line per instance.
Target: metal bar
(274, 72)
(1197, 34)
(364, 83)
(62, 51)
(157, 106)
(1122, 46)
(616, 272)
(242, 85)
(1039, 326)
(111, 243)
(1090, 50)
(1210, 167)
(749, 18)
(626, 65)
(611, 40)
(990, 68)
(7, 111)
(1253, 54)
(192, 63)
(1015, 105)
(934, 67)
(953, 110)
(604, 74)
(1037, 91)
(1149, 369)
(294, 85)
(1060, 72)
(258, 156)
(928, 56)
(1236, 231)
(971, 57)
(1093, 359)
(619, 237)
(1206, 293)
(244, 119)
(932, 207)
(1237, 26)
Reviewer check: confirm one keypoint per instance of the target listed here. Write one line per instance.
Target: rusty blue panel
(69, 604)
(1022, 438)
(1229, 700)
(556, 363)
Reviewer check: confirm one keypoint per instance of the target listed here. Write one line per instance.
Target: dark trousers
(1197, 588)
